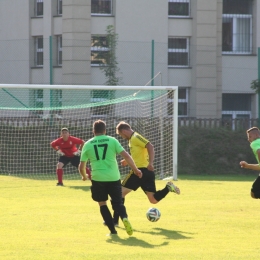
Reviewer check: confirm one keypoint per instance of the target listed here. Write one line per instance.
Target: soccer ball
(153, 214)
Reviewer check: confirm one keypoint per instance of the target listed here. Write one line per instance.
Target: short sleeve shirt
(138, 150)
(101, 151)
(255, 145)
(67, 147)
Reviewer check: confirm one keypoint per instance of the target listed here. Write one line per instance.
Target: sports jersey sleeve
(119, 147)
(76, 140)
(255, 145)
(139, 140)
(83, 156)
(55, 143)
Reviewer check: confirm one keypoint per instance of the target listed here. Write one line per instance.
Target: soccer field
(213, 218)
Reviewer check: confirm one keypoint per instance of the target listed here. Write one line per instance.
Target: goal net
(31, 117)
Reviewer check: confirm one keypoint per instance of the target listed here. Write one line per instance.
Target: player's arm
(150, 151)
(82, 170)
(131, 163)
(56, 148)
(246, 165)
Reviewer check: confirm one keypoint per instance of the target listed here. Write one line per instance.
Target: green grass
(213, 218)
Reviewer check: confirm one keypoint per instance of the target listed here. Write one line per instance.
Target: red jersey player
(68, 148)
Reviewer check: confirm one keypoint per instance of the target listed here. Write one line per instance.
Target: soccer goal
(31, 116)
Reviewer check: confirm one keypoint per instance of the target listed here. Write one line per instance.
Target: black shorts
(147, 182)
(75, 160)
(100, 191)
(256, 185)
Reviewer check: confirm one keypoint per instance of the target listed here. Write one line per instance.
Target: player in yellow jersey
(142, 152)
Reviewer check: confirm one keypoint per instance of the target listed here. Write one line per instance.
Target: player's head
(124, 130)
(253, 133)
(64, 133)
(99, 127)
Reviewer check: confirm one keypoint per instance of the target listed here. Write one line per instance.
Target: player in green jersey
(253, 136)
(101, 151)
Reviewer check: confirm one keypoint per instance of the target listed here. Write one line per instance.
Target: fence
(232, 124)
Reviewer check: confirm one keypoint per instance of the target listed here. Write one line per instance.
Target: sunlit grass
(213, 218)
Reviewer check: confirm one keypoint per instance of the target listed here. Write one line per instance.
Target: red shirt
(67, 147)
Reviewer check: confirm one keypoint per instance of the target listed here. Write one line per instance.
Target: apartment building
(206, 47)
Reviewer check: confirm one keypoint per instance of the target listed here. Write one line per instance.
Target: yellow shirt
(138, 150)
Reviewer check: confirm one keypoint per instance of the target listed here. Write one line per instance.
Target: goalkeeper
(68, 148)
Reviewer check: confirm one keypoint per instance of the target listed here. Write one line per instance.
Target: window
(237, 26)
(59, 50)
(178, 52)
(179, 8)
(182, 102)
(59, 12)
(39, 51)
(101, 7)
(38, 7)
(102, 96)
(236, 106)
(99, 50)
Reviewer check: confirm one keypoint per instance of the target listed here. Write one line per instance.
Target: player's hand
(60, 153)
(243, 164)
(138, 173)
(150, 167)
(77, 153)
(123, 163)
(84, 178)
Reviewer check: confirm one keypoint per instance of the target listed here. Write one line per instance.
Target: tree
(255, 85)
(111, 69)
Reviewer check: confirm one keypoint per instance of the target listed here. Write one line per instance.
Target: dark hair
(122, 125)
(99, 127)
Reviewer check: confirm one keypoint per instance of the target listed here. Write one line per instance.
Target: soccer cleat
(128, 226)
(59, 184)
(115, 224)
(173, 188)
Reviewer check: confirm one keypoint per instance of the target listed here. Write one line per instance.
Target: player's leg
(75, 162)
(63, 161)
(115, 192)
(131, 182)
(99, 193)
(149, 187)
(255, 190)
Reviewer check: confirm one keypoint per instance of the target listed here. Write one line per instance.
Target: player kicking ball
(68, 148)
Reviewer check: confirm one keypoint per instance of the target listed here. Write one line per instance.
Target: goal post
(31, 116)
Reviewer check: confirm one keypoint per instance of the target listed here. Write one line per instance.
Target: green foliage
(212, 151)
(111, 67)
(255, 85)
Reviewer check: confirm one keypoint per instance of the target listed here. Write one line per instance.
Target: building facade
(206, 47)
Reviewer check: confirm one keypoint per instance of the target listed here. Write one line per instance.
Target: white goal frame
(137, 88)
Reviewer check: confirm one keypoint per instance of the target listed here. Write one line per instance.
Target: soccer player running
(101, 151)
(68, 148)
(142, 152)
(253, 136)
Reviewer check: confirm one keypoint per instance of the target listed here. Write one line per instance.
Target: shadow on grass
(84, 188)
(134, 241)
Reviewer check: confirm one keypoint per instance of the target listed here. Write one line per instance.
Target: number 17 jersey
(101, 151)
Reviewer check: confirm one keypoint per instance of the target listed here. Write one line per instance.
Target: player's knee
(255, 195)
